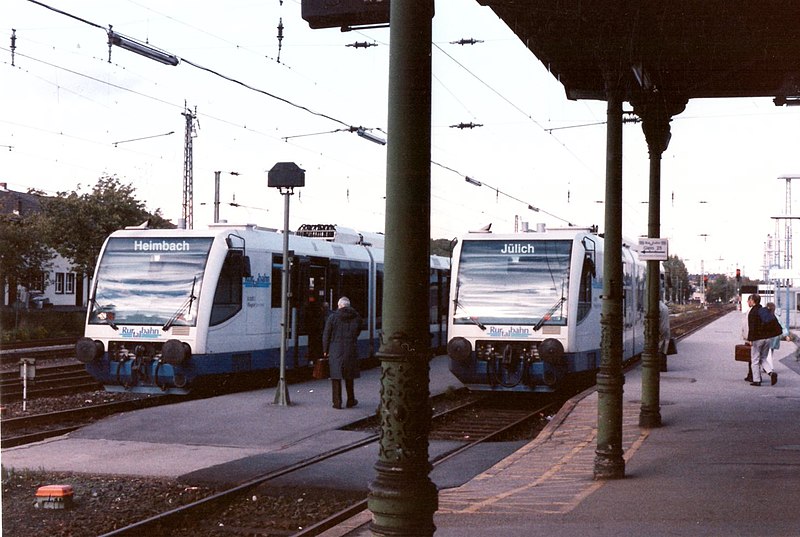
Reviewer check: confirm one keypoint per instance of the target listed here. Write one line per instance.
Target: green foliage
(23, 253)
(442, 247)
(721, 288)
(678, 288)
(76, 224)
(26, 325)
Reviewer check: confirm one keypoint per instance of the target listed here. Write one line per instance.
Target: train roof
(549, 233)
(317, 239)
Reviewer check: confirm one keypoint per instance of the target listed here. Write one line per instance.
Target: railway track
(472, 423)
(241, 514)
(11, 353)
(687, 323)
(26, 429)
(63, 380)
(50, 381)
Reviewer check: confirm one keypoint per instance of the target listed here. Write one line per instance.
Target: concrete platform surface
(173, 440)
(725, 462)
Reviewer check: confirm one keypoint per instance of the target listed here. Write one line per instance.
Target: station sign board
(653, 249)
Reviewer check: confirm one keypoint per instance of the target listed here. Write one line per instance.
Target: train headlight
(551, 351)
(175, 352)
(459, 349)
(88, 350)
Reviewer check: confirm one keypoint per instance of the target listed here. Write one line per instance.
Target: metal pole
(282, 392)
(216, 197)
(24, 386)
(657, 135)
(402, 497)
(608, 462)
(703, 279)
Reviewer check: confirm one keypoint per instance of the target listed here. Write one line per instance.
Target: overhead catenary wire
(209, 70)
(286, 138)
(292, 103)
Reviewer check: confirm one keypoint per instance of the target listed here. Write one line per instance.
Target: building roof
(682, 48)
(18, 203)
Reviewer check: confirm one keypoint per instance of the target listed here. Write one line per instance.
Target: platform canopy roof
(682, 48)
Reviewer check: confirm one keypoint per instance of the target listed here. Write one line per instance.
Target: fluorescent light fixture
(472, 181)
(142, 49)
(371, 137)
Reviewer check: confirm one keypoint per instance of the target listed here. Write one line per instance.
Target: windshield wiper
(470, 317)
(102, 315)
(186, 306)
(546, 316)
(458, 305)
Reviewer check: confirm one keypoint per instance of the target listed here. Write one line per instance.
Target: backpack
(770, 327)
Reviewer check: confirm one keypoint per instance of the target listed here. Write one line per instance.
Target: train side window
(354, 276)
(277, 280)
(228, 295)
(585, 288)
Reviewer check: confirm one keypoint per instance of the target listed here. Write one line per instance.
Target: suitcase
(742, 353)
(321, 369)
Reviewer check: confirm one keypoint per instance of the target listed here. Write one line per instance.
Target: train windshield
(149, 281)
(513, 282)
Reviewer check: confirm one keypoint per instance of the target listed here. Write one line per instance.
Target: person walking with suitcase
(761, 327)
(339, 345)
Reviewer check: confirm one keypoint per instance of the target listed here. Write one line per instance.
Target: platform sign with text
(653, 249)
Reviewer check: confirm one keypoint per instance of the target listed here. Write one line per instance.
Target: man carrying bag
(762, 325)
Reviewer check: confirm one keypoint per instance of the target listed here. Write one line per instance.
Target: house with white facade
(59, 286)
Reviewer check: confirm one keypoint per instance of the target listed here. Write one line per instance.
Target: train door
(311, 293)
(438, 302)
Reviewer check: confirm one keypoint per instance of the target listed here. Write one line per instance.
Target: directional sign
(653, 249)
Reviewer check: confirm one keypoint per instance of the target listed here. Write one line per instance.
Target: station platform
(226, 439)
(726, 461)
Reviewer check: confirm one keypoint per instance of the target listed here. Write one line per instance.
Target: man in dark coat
(339, 340)
(758, 337)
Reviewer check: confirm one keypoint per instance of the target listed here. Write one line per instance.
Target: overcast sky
(69, 116)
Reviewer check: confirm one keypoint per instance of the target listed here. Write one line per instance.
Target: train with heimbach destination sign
(171, 310)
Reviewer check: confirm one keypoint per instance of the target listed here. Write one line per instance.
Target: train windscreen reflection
(513, 282)
(150, 281)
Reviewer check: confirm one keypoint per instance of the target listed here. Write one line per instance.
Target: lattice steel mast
(187, 213)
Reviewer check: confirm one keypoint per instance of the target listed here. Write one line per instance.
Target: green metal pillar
(650, 412)
(608, 462)
(656, 112)
(402, 497)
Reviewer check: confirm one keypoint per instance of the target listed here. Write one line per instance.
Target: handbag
(322, 369)
(742, 353)
(671, 347)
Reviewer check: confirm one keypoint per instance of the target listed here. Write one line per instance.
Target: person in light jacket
(339, 345)
(663, 333)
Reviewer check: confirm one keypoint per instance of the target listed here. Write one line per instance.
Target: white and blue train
(525, 308)
(174, 309)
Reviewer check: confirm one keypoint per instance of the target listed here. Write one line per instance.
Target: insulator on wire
(13, 44)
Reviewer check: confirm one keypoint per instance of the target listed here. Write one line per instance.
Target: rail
(180, 514)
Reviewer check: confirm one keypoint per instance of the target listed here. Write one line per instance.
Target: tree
(76, 224)
(677, 285)
(24, 256)
(721, 288)
(442, 247)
